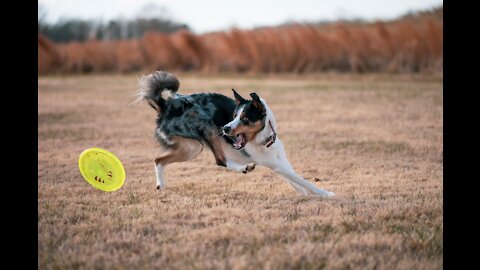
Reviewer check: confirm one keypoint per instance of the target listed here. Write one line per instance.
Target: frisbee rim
(116, 161)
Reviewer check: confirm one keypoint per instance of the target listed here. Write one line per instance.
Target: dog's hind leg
(183, 149)
(159, 174)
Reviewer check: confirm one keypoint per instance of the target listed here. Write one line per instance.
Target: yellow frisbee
(101, 169)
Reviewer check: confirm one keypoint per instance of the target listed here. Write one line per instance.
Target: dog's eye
(245, 121)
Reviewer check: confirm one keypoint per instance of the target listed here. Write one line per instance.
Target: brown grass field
(405, 45)
(374, 140)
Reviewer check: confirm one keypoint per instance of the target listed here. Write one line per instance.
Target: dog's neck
(269, 128)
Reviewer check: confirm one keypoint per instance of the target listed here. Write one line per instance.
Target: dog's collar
(271, 139)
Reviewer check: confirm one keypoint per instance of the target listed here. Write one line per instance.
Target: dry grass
(403, 46)
(48, 55)
(375, 140)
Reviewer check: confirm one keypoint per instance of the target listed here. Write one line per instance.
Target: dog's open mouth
(240, 141)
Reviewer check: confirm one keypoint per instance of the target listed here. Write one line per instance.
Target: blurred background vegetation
(412, 43)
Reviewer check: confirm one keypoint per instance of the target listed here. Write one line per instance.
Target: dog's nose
(227, 129)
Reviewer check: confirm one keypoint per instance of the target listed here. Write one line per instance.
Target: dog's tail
(157, 88)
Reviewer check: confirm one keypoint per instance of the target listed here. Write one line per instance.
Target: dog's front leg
(296, 179)
(283, 167)
(276, 159)
(225, 155)
(298, 188)
(239, 167)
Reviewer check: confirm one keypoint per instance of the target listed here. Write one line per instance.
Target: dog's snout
(227, 129)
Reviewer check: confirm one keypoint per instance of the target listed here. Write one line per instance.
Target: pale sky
(212, 15)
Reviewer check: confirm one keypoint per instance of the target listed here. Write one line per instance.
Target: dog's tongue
(239, 142)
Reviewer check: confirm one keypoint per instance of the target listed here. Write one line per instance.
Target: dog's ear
(238, 99)
(257, 103)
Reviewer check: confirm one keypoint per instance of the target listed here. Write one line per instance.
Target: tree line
(82, 30)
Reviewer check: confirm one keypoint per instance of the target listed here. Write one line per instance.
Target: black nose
(227, 129)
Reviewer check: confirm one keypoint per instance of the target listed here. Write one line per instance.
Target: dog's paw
(324, 194)
(248, 168)
(330, 194)
(159, 188)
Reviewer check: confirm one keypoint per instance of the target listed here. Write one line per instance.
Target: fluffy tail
(157, 88)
